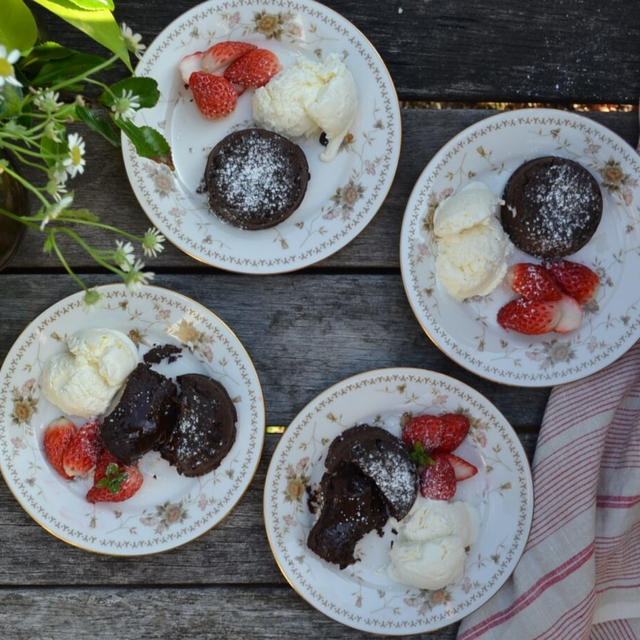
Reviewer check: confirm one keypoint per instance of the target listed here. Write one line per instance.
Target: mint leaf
(420, 456)
(113, 478)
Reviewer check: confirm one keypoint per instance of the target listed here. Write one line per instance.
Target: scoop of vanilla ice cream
(429, 552)
(307, 98)
(84, 380)
(474, 261)
(470, 206)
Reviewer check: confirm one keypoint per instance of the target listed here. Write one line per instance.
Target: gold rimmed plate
(342, 196)
(169, 509)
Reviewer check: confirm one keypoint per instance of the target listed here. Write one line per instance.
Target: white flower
(152, 242)
(136, 278)
(51, 131)
(54, 188)
(47, 101)
(132, 40)
(125, 105)
(74, 162)
(6, 66)
(123, 255)
(59, 173)
(55, 208)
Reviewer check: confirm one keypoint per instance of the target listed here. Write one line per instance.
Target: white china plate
(169, 509)
(489, 151)
(362, 595)
(342, 196)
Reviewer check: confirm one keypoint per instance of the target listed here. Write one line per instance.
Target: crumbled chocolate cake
(143, 417)
(552, 207)
(160, 352)
(256, 178)
(205, 428)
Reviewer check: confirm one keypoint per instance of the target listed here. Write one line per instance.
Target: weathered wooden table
(308, 329)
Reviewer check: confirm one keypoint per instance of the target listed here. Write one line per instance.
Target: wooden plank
(105, 189)
(304, 334)
(260, 613)
(550, 50)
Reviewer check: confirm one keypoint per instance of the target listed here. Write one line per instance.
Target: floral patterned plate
(489, 151)
(362, 595)
(342, 196)
(169, 509)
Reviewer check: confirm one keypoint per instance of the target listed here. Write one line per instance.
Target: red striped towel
(579, 576)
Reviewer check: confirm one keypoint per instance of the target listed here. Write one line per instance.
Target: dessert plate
(342, 196)
(489, 151)
(169, 509)
(362, 595)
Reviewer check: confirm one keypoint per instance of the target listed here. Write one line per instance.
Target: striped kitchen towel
(579, 576)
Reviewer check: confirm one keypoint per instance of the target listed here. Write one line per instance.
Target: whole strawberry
(253, 69)
(113, 481)
(438, 480)
(576, 279)
(425, 429)
(81, 453)
(214, 95)
(456, 427)
(57, 437)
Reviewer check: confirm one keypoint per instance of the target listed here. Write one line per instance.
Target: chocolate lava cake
(143, 417)
(370, 476)
(205, 428)
(552, 207)
(256, 178)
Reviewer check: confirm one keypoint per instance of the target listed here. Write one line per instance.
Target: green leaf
(145, 88)
(99, 25)
(148, 142)
(52, 151)
(98, 124)
(79, 214)
(18, 28)
(11, 104)
(420, 456)
(66, 68)
(45, 52)
(113, 478)
(93, 5)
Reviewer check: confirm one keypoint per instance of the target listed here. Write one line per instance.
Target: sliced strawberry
(438, 481)
(456, 427)
(113, 481)
(532, 317)
(461, 468)
(57, 437)
(533, 281)
(570, 315)
(189, 64)
(576, 279)
(253, 69)
(214, 95)
(425, 429)
(82, 452)
(224, 53)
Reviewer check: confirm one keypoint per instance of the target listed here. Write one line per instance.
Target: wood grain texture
(549, 50)
(105, 189)
(249, 613)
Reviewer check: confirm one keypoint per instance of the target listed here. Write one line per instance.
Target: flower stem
(96, 256)
(65, 264)
(22, 219)
(83, 76)
(27, 185)
(101, 225)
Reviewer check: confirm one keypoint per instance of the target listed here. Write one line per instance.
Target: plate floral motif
(169, 509)
(489, 151)
(342, 196)
(362, 595)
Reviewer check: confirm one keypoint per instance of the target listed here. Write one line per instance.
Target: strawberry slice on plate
(57, 436)
(533, 281)
(576, 279)
(253, 69)
(189, 64)
(113, 481)
(532, 317)
(81, 453)
(461, 468)
(214, 95)
(456, 427)
(224, 53)
(438, 480)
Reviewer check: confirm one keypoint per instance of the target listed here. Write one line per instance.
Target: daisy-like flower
(54, 188)
(74, 162)
(132, 40)
(47, 101)
(152, 242)
(56, 208)
(125, 105)
(123, 255)
(137, 278)
(59, 173)
(7, 73)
